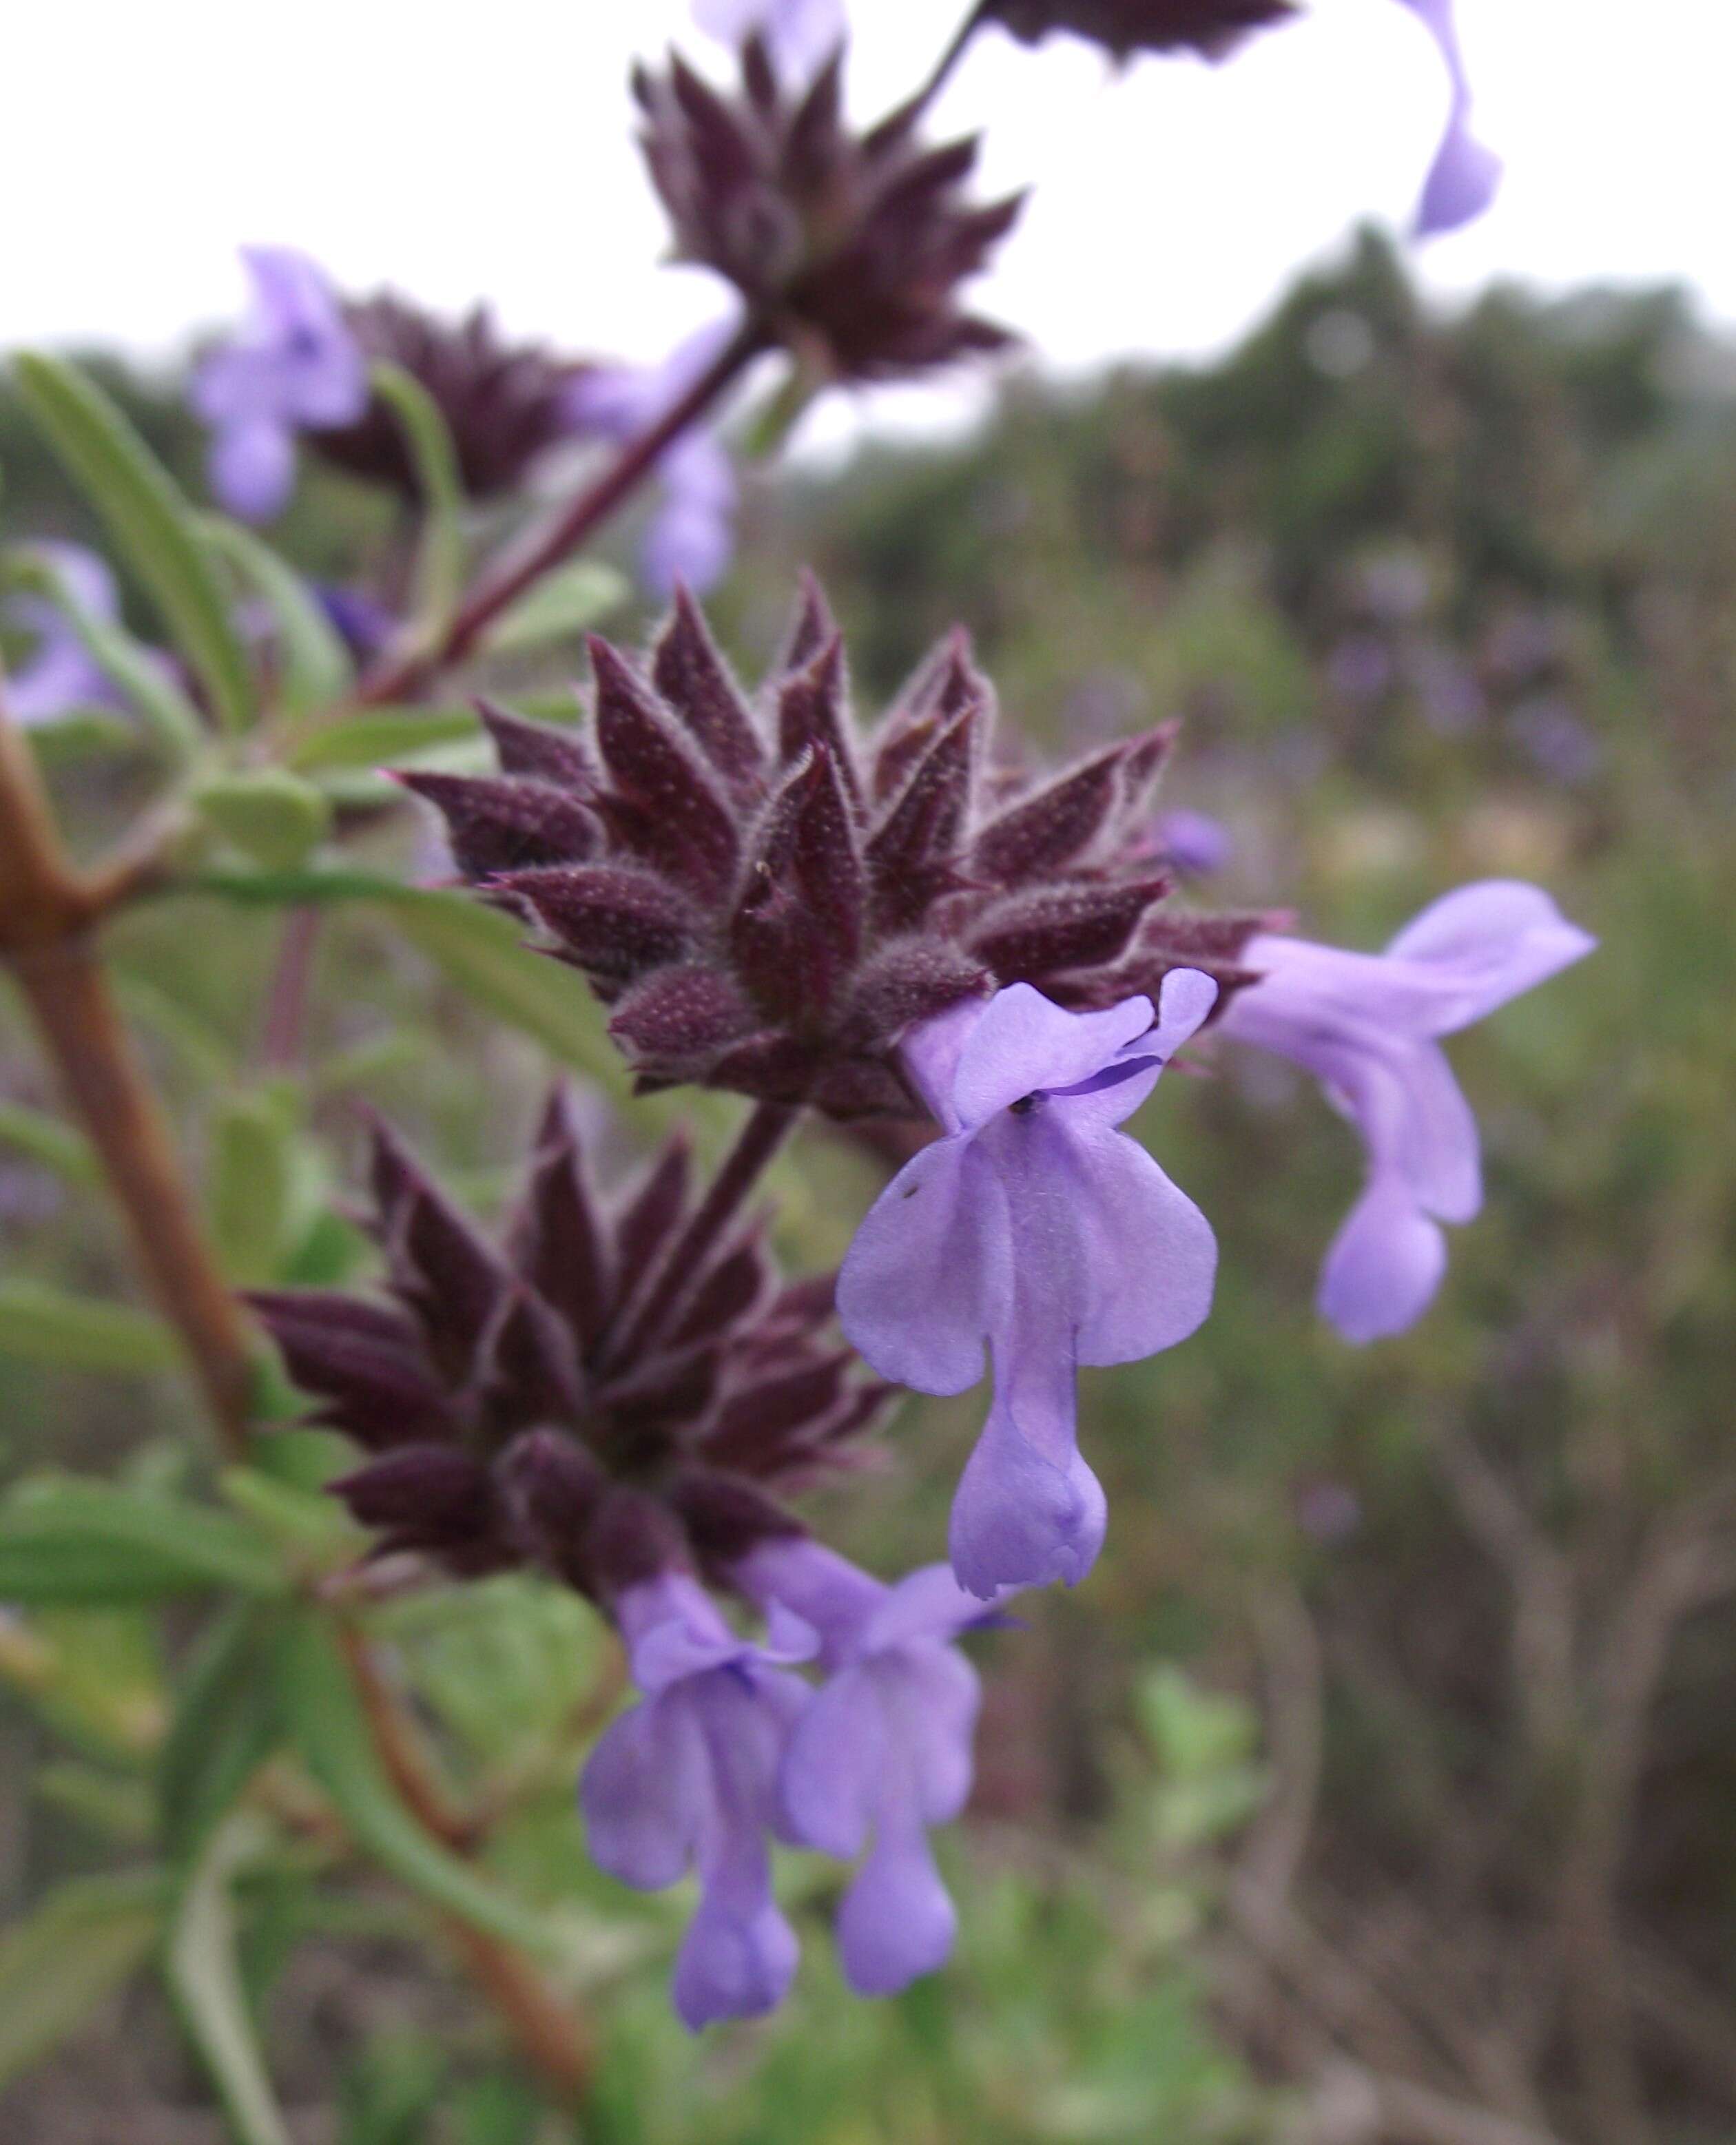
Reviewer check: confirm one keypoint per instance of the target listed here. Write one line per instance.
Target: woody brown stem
(48, 914)
(543, 548)
(551, 2033)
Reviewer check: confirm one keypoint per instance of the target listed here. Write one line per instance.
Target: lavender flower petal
(688, 1779)
(59, 675)
(294, 366)
(1463, 178)
(1037, 1228)
(1365, 1025)
(801, 35)
(883, 1751)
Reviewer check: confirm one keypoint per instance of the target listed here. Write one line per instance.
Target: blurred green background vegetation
(1381, 1782)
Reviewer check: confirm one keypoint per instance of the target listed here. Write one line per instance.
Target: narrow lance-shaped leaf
(42, 1137)
(41, 1324)
(204, 1977)
(60, 1963)
(152, 525)
(226, 1723)
(315, 666)
(383, 737)
(92, 1543)
(440, 555)
(565, 603)
(330, 1730)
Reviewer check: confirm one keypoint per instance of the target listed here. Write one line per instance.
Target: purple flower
(883, 1752)
(800, 35)
(1463, 178)
(1033, 1227)
(1365, 1025)
(1194, 842)
(687, 1779)
(59, 675)
(295, 366)
(693, 533)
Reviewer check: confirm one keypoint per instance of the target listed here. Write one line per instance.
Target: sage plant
(896, 923)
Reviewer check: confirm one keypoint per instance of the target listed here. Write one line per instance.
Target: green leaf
(204, 1052)
(266, 813)
(482, 953)
(43, 1137)
(205, 1979)
(44, 1325)
(64, 1540)
(440, 556)
(151, 524)
(568, 601)
(117, 1805)
(330, 1730)
(82, 1942)
(477, 949)
(383, 737)
(315, 669)
(94, 1676)
(251, 1172)
(313, 1528)
(1195, 1733)
(226, 1722)
(136, 669)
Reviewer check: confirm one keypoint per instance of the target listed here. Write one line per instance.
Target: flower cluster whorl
(520, 1407)
(769, 900)
(849, 247)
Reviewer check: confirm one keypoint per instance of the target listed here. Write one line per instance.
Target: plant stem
(48, 914)
(281, 1033)
(551, 2033)
(759, 1140)
(80, 1024)
(522, 563)
(942, 72)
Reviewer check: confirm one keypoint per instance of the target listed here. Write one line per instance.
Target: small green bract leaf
(266, 813)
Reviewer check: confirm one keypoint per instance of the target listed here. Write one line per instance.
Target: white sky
(460, 150)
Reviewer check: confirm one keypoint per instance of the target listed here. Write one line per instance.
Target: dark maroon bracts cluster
(768, 901)
(600, 1394)
(1212, 27)
(849, 247)
(504, 403)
